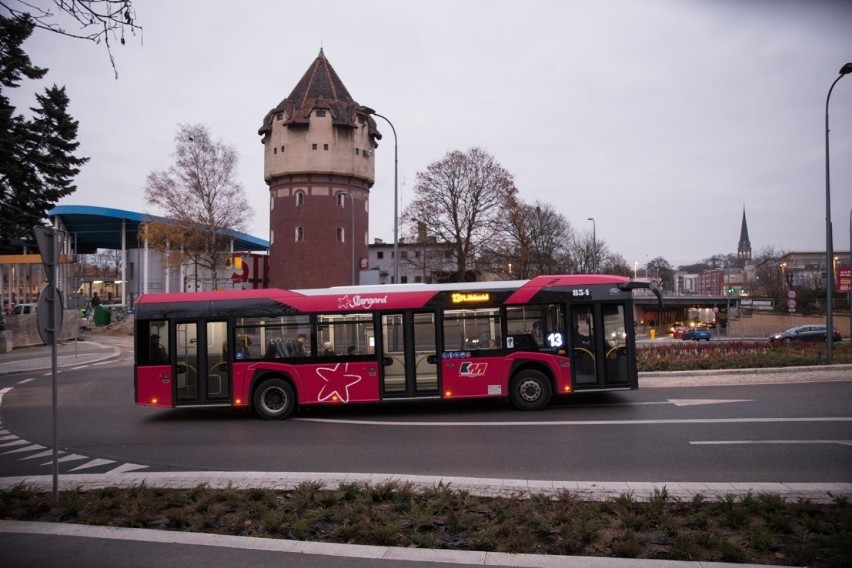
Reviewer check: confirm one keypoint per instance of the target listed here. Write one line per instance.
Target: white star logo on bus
(337, 382)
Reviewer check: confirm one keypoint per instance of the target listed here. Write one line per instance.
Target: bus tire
(530, 390)
(274, 399)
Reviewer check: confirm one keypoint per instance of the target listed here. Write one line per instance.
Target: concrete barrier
(23, 329)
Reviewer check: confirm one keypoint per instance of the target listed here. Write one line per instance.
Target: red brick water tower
(319, 164)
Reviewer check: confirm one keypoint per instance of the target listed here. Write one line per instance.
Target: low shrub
(691, 356)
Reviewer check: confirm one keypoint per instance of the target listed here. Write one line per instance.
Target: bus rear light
(155, 401)
(238, 402)
(335, 399)
(448, 394)
(567, 388)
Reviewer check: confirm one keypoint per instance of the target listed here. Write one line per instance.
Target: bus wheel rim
(274, 400)
(530, 390)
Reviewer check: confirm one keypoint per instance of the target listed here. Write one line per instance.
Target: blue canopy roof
(91, 228)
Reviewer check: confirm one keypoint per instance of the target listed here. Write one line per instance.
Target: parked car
(697, 334)
(804, 333)
(23, 309)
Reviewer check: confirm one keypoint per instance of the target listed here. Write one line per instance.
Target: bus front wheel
(530, 390)
(274, 399)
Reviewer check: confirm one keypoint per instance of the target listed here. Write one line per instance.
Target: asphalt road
(800, 432)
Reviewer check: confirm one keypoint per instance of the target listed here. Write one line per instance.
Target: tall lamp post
(594, 245)
(829, 268)
(352, 231)
(368, 110)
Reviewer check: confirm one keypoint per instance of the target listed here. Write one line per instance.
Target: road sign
(49, 296)
(791, 306)
(47, 246)
(791, 294)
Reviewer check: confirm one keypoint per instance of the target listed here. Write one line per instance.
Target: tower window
(300, 198)
(380, 254)
(279, 116)
(313, 146)
(325, 146)
(341, 199)
(300, 234)
(282, 148)
(320, 113)
(357, 151)
(340, 235)
(275, 150)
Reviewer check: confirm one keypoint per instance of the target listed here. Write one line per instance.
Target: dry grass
(761, 529)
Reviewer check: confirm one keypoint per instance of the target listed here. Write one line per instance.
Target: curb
(482, 487)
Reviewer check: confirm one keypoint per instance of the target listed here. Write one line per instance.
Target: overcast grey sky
(659, 119)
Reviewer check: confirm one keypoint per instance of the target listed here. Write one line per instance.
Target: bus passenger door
(409, 355)
(599, 346)
(202, 370)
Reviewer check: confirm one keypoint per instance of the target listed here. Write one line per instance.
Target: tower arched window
(341, 235)
(300, 198)
(300, 234)
(341, 199)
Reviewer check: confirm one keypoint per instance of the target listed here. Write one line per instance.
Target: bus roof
(367, 298)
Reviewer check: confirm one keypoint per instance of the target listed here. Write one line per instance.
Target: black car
(803, 333)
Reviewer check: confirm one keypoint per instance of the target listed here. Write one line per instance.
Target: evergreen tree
(37, 162)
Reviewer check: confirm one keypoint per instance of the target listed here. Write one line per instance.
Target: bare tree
(202, 200)
(614, 263)
(660, 270)
(585, 248)
(461, 200)
(98, 20)
(551, 235)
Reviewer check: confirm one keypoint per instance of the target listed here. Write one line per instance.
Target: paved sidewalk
(89, 349)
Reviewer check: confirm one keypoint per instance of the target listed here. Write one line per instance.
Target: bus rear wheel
(530, 390)
(274, 399)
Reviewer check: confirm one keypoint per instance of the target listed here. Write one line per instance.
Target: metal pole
(829, 265)
(594, 245)
(368, 110)
(849, 268)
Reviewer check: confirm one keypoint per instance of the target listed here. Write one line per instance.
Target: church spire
(744, 248)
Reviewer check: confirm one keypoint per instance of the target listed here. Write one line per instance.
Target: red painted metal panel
(154, 386)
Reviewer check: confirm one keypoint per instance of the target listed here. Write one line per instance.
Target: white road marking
(125, 467)
(94, 463)
(44, 454)
(700, 401)
(72, 457)
(25, 381)
(743, 442)
(30, 448)
(584, 422)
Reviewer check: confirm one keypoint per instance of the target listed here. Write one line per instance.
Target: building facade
(319, 163)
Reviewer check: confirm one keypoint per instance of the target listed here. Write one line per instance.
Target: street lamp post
(368, 110)
(594, 245)
(829, 269)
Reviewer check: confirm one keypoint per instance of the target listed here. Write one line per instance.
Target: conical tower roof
(319, 88)
(744, 248)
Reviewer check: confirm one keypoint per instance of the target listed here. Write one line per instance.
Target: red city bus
(273, 350)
